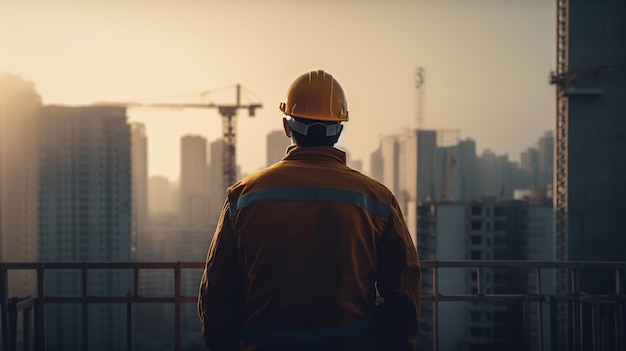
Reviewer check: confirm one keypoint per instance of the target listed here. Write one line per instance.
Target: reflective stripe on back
(375, 207)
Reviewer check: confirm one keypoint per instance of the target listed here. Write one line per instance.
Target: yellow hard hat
(318, 96)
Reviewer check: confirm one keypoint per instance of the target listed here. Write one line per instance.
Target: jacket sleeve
(219, 303)
(399, 285)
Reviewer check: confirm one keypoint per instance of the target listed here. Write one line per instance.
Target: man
(303, 247)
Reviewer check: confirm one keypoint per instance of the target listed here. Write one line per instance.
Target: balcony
(555, 315)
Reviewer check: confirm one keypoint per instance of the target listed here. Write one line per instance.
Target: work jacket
(310, 252)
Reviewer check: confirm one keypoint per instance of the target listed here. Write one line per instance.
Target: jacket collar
(315, 153)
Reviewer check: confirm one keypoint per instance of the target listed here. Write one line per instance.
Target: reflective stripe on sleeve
(375, 207)
(304, 336)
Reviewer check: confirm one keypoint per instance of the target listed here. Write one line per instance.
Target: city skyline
(506, 168)
(109, 51)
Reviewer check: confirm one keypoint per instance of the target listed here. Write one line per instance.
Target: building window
(476, 210)
(498, 211)
(499, 226)
(477, 225)
(476, 332)
(499, 240)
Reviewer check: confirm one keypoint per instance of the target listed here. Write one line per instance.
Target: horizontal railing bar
(425, 297)
(103, 265)
(117, 299)
(520, 297)
(425, 264)
(523, 264)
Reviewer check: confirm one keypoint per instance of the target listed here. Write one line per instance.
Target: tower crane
(229, 124)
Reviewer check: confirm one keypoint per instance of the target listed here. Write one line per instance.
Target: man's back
(307, 230)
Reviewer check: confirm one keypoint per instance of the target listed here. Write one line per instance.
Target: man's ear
(286, 128)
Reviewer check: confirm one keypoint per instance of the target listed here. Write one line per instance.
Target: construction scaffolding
(561, 79)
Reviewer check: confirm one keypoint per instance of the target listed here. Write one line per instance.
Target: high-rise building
(529, 165)
(545, 161)
(447, 185)
(139, 158)
(162, 199)
(376, 165)
(217, 187)
(467, 165)
(489, 181)
(450, 221)
(85, 215)
(420, 169)
(19, 178)
(489, 229)
(595, 137)
(497, 176)
(277, 144)
(194, 177)
(390, 153)
(423, 232)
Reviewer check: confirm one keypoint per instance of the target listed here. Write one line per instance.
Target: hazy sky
(487, 64)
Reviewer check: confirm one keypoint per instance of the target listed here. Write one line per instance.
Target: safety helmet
(316, 95)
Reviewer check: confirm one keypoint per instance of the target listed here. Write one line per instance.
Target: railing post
(539, 293)
(554, 324)
(129, 310)
(85, 311)
(576, 306)
(177, 307)
(13, 324)
(596, 330)
(620, 339)
(4, 304)
(526, 321)
(435, 290)
(40, 332)
(26, 326)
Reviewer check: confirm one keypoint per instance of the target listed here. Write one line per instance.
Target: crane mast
(229, 133)
(561, 78)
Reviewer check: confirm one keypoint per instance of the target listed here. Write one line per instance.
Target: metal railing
(605, 323)
(593, 333)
